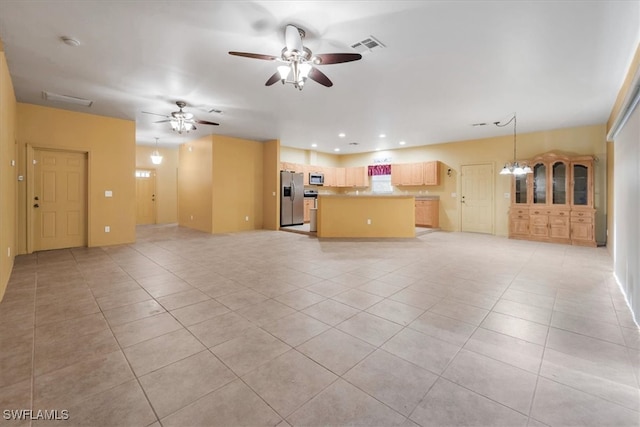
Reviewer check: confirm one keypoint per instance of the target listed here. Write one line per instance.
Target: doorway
(145, 196)
(59, 200)
(477, 184)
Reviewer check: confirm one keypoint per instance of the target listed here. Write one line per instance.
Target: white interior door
(59, 206)
(477, 198)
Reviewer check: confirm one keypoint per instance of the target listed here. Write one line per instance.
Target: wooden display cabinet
(555, 202)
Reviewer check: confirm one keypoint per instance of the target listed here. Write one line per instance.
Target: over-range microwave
(316, 178)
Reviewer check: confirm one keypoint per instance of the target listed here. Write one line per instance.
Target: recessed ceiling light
(402, 143)
(342, 135)
(382, 135)
(314, 145)
(69, 41)
(336, 149)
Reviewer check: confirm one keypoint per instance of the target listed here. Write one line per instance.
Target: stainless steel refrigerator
(291, 198)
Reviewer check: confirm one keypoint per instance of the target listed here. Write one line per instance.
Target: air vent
(367, 45)
(354, 143)
(49, 96)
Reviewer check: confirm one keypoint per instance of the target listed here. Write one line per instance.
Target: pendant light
(156, 158)
(513, 168)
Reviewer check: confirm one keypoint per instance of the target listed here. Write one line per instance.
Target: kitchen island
(365, 216)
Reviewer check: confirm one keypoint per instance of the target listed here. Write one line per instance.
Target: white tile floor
(272, 328)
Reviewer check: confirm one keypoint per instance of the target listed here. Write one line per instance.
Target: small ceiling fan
(299, 62)
(181, 121)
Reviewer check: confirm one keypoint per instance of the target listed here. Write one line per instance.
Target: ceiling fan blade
(162, 121)
(204, 122)
(155, 114)
(336, 58)
(292, 38)
(254, 55)
(318, 76)
(273, 79)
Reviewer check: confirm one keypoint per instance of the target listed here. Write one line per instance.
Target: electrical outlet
(107, 229)
(191, 217)
(246, 218)
(9, 251)
(368, 222)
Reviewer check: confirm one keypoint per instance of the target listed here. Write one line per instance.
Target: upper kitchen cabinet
(554, 203)
(432, 173)
(424, 173)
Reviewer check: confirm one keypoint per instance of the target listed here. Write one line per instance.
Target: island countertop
(366, 215)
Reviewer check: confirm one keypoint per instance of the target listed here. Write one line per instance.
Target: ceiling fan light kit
(299, 62)
(181, 121)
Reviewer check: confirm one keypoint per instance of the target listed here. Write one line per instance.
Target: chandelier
(513, 168)
(156, 158)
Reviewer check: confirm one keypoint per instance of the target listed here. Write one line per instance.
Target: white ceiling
(446, 65)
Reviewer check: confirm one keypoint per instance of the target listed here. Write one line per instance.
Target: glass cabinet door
(540, 183)
(520, 190)
(580, 185)
(559, 191)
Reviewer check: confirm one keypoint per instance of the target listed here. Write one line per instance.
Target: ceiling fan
(181, 121)
(299, 62)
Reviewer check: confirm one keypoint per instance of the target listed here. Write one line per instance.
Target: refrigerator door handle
(293, 190)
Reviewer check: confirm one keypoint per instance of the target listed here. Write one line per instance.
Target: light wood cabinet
(329, 176)
(341, 177)
(309, 203)
(432, 173)
(356, 177)
(425, 173)
(427, 213)
(554, 203)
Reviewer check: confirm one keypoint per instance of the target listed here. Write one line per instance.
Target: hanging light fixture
(513, 168)
(156, 158)
(296, 72)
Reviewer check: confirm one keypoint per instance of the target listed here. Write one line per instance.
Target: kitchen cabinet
(357, 177)
(341, 177)
(329, 176)
(405, 174)
(427, 213)
(432, 173)
(424, 173)
(554, 203)
(309, 203)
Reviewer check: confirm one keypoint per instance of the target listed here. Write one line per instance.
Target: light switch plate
(108, 193)
(454, 195)
(507, 195)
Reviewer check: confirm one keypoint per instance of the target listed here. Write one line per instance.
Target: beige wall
(195, 175)
(110, 144)
(8, 174)
(237, 184)
(221, 184)
(271, 191)
(166, 181)
(495, 151)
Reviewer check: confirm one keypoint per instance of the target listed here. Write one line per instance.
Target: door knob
(36, 205)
